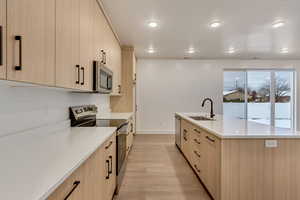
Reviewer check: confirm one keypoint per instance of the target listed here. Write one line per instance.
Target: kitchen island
(241, 160)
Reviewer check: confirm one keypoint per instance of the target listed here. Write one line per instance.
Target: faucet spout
(211, 106)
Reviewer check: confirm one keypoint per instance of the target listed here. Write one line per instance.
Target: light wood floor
(156, 170)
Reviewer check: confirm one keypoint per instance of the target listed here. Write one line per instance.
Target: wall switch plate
(271, 143)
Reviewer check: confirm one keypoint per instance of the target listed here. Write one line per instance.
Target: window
(263, 96)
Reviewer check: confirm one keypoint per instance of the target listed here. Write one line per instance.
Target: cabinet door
(98, 27)
(67, 43)
(86, 43)
(113, 176)
(2, 39)
(116, 61)
(212, 165)
(31, 55)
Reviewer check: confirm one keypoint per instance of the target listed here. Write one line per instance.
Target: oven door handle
(122, 125)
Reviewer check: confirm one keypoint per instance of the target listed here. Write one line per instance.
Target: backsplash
(23, 108)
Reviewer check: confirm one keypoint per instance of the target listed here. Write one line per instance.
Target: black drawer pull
(82, 68)
(196, 130)
(19, 67)
(111, 165)
(197, 141)
(197, 154)
(78, 74)
(184, 134)
(75, 185)
(120, 89)
(103, 57)
(212, 140)
(107, 162)
(110, 143)
(1, 45)
(198, 170)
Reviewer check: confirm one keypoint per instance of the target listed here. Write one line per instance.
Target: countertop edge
(228, 137)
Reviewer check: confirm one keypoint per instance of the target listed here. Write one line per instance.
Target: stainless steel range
(85, 116)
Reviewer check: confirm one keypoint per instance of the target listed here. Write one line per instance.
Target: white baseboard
(155, 132)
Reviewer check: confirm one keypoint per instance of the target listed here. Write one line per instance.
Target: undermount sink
(201, 118)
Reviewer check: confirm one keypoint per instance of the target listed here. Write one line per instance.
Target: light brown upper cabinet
(74, 44)
(86, 43)
(117, 67)
(99, 36)
(2, 39)
(31, 41)
(105, 40)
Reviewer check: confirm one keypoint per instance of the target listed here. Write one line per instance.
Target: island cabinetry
(202, 150)
(243, 165)
(252, 171)
(95, 179)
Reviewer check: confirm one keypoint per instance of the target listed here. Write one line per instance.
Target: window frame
(272, 91)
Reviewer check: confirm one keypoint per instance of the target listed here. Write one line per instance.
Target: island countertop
(228, 127)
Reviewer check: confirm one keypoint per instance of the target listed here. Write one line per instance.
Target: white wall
(23, 108)
(168, 86)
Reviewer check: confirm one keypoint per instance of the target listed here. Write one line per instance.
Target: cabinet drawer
(110, 143)
(72, 187)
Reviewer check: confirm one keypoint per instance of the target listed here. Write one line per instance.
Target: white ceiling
(247, 26)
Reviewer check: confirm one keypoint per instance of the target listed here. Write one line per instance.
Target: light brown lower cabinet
(95, 179)
(243, 168)
(202, 150)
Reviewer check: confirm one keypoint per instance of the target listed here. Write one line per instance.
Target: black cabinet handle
(111, 165)
(212, 140)
(19, 67)
(196, 167)
(110, 143)
(1, 45)
(119, 86)
(107, 162)
(131, 128)
(184, 134)
(197, 141)
(78, 74)
(75, 185)
(196, 130)
(197, 154)
(103, 55)
(82, 68)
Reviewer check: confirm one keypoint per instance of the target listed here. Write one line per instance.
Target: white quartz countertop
(34, 164)
(226, 127)
(114, 115)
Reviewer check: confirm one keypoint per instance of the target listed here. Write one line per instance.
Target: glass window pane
(258, 91)
(234, 94)
(283, 99)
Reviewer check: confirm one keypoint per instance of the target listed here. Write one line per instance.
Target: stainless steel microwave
(102, 78)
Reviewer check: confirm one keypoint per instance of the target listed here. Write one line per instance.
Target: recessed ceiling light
(152, 24)
(284, 50)
(215, 24)
(151, 50)
(231, 50)
(278, 24)
(191, 50)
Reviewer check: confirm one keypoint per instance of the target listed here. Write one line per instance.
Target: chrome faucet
(211, 106)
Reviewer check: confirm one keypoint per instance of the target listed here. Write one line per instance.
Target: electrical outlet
(271, 143)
